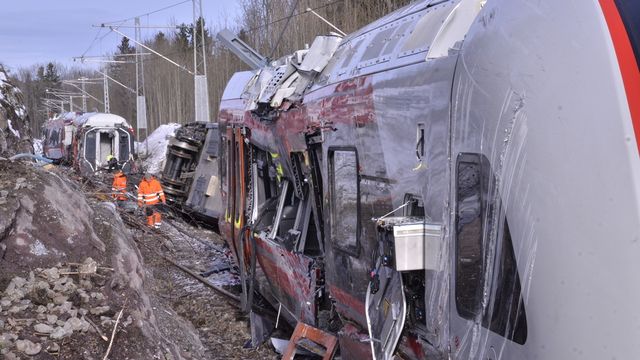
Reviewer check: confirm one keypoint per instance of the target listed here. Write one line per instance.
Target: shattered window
(507, 316)
(471, 186)
(345, 202)
(475, 214)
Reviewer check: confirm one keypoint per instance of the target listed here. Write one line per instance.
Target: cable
(92, 42)
(149, 13)
(286, 25)
(292, 16)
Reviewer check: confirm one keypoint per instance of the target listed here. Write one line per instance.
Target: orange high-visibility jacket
(119, 187)
(150, 192)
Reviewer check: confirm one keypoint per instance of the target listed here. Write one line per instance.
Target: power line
(286, 25)
(292, 16)
(146, 14)
(92, 42)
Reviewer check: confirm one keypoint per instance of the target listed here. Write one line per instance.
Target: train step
(311, 339)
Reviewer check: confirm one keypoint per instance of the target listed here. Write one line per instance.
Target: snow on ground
(154, 159)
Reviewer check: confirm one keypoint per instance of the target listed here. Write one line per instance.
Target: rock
(86, 284)
(98, 296)
(41, 309)
(61, 332)
(99, 310)
(89, 266)
(43, 328)
(17, 308)
(51, 274)
(11, 356)
(41, 285)
(6, 340)
(53, 348)
(127, 322)
(64, 307)
(28, 347)
(39, 295)
(51, 319)
(83, 312)
(60, 299)
(5, 303)
(77, 324)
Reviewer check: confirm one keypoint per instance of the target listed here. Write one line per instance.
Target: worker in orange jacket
(149, 196)
(119, 186)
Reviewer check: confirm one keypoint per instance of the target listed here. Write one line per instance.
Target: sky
(39, 31)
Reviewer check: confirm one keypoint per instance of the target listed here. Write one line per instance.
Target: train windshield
(630, 14)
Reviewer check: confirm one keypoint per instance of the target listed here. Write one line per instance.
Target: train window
(507, 316)
(345, 199)
(630, 14)
(123, 153)
(471, 187)
(213, 147)
(475, 215)
(415, 206)
(90, 147)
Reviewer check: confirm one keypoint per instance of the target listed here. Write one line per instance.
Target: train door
(237, 178)
(289, 247)
(487, 310)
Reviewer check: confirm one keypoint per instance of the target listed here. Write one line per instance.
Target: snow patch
(157, 142)
(38, 147)
(38, 248)
(15, 132)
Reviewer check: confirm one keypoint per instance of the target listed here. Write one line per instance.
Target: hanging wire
(92, 42)
(292, 16)
(286, 25)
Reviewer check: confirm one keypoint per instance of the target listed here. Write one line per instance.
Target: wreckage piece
(313, 340)
(203, 193)
(183, 152)
(287, 78)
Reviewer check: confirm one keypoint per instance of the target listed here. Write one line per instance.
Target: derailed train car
(459, 180)
(57, 134)
(99, 135)
(88, 140)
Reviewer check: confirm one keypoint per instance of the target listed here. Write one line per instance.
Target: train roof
(422, 31)
(100, 120)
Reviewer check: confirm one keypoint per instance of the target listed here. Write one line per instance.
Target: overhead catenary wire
(284, 29)
(146, 14)
(292, 16)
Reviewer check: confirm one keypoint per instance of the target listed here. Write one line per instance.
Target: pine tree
(51, 76)
(125, 47)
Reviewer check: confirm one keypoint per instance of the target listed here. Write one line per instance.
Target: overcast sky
(37, 31)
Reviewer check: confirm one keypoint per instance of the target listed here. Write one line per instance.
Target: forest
(273, 27)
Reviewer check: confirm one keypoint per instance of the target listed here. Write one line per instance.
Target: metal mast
(141, 104)
(201, 90)
(105, 79)
(84, 97)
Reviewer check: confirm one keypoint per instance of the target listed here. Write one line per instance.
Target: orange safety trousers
(150, 193)
(154, 219)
